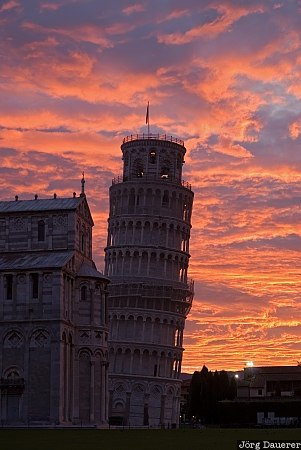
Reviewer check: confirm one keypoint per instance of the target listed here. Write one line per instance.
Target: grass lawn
(184, 439)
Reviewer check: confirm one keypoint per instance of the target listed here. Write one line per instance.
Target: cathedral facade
(150, 295)
(53, 315)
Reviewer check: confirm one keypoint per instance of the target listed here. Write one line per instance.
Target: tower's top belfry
(153, 157)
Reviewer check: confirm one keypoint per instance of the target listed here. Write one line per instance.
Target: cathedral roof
(89, 271)
(48, 204)
(40, 260)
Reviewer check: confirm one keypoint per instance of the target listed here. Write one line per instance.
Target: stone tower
(150, 295)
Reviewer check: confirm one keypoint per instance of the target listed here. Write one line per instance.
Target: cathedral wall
(33, 294)
(27, 357)
(60, 230)
(53, 333)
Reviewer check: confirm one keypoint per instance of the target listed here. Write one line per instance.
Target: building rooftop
(89, 271)
(48, 204)
(152, 136)
(34, 260)
(273, 369)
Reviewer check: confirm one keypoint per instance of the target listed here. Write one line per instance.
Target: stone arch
(41, 230)
(126, 361)
(40, 337)
(84, 352)
(137, 232)
(144, 263)
(13, 339)
(127, 261)
(135, 262)
(119, 406)
(139, 328)
(13, 372)
(157, 330)
(154, 363)
(163, 233)
(165, 199)
(129, 326)
(156, 392)
(136, 361)
(11, 391)
(138, 168)
(84, 361)
(100, 354)
(125, 200)
(153, 264)
(139, 198)
(84, 289)
(39, 372)
(132, 200)
(145, 362)
(149, 198)
(165, 172)
(173, 201)
(122, 232)
(170, 390)
(118, 359)
(152, 155)
(121, 386)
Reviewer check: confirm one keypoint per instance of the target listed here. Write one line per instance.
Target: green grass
(184, 439)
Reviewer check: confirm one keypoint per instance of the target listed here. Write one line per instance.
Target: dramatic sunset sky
(224, 76)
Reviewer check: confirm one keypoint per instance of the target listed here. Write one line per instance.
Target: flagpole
(147, 117)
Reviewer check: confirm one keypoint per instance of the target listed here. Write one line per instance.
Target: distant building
(269, 381)
(53, 315)
(147, 257)
(266, 396)
(185, 397)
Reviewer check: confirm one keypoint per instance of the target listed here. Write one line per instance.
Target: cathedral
(53, 315)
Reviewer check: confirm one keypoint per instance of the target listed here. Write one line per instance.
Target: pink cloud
(134, 8)
(73, 84)
(228, 15)
(9, 5)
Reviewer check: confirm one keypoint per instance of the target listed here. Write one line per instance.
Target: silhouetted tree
(206, 390)
(194, 395)
(232, 389)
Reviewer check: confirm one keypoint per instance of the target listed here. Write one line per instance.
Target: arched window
(9, 286)
(165, 199)
(152, 156)
(41, 230)
(138, 168)
(83, 293)
(13, 374)
(139, 172)
(83, 239)
(165, 170)
(35, 285)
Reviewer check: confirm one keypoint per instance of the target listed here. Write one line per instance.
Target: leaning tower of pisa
(146, 259)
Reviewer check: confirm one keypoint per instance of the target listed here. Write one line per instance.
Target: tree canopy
(206, 390)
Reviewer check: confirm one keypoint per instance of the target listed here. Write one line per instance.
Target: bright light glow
(249, 364)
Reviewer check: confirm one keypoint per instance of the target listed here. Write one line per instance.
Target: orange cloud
(224, 78)
(227, 17)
